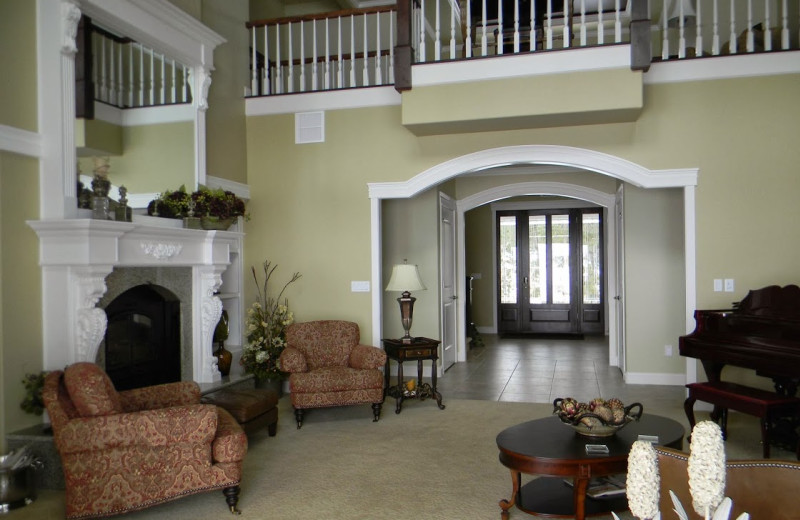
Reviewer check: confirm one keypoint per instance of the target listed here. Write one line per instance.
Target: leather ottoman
(251, 407)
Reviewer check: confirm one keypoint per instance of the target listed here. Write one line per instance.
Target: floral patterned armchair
(328, 367)
(123, 451)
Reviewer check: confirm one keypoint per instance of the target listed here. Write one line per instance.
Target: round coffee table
(550, 448)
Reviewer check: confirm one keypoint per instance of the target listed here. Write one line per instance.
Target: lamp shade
(689, 14)
(405, 278)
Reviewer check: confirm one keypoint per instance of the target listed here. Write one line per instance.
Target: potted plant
(206, 207)
(267, 320)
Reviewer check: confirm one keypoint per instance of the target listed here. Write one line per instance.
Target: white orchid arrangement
(706, 471)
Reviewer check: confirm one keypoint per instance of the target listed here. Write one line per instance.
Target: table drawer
(415, 353)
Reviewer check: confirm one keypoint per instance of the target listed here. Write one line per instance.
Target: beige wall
(479, 258)
(747, 187)
(18, 63)
(21, 289)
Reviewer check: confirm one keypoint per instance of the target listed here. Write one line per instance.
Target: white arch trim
(591, 160)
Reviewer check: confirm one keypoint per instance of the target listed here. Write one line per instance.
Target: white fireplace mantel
(76, 255)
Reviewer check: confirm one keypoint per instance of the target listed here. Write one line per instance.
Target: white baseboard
(654, 378)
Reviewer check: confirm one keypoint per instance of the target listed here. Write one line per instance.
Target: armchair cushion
(335, 379)
(325, 343)
(292, 360)
(367, 356)
(91, 390)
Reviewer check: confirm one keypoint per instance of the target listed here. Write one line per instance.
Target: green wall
(18, 63)
(311, 201)
(20, 286)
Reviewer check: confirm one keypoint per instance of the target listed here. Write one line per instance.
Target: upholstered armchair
(123, 451)
(328, 367)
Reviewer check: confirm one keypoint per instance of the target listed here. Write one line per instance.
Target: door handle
(454, 297)
(617, 297)
(525, 282)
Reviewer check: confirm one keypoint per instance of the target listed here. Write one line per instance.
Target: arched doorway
(577, 158)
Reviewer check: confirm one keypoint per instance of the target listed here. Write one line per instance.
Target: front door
(550, 271)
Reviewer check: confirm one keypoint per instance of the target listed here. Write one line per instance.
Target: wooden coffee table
(550, 448)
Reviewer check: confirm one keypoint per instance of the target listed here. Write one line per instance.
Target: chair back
(325, 343)
(56, 399)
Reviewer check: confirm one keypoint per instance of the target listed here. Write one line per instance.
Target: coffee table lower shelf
(551, 496)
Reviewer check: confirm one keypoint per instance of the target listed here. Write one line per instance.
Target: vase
(276, 385)
(223, 359)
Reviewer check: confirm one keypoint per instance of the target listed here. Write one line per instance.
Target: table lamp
(405, 278)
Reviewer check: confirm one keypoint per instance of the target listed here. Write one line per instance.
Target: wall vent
(309, 127)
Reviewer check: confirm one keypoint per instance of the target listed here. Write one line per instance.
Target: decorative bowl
(597, 419)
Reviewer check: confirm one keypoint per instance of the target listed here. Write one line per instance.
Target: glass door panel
(560, 258)
(508, 259)
(591, 258)
(537, 270)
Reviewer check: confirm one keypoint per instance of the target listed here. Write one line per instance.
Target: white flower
(643, 480)
(706, 468)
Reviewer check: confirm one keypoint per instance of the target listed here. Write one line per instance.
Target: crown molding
(23, 142)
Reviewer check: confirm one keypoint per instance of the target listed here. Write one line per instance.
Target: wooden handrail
(321, 16)
(321, 59)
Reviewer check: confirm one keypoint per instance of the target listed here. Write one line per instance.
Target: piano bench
(752, 401)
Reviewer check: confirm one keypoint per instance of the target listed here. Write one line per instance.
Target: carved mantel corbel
(90, 321)
(200, 84)
(70, 17)
(210, 279)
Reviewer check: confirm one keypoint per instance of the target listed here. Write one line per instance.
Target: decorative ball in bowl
(597, 418)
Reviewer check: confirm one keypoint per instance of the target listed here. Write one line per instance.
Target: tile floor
(538, 370)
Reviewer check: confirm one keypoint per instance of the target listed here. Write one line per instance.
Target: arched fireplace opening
(143, 341)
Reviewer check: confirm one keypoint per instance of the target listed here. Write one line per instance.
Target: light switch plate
(359, 286)
(729, 285)
(717, 284)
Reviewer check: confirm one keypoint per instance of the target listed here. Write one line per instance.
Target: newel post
(403, 51)
(640, 37)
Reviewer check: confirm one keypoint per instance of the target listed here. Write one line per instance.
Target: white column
(206, 310)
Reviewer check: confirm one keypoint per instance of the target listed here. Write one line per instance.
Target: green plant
(204, 202)
(267, 320)
(33, 383)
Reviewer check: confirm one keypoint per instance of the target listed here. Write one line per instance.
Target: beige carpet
(424, 464)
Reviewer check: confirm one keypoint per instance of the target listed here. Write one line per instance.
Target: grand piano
(762, 333)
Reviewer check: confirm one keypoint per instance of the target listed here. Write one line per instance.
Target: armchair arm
(292, 360)
(193, 424)
(367, 356)
(160, 396)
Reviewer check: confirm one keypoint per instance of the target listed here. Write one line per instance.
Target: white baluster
(516, 26)
(152, 77)
(437, 44)
(698, 39)
(617, 23)
(715, 35)
(499, 39)
(549, 29)
(266, 86)
(112, 73)
(314, 56)
(681, 32)
(785, 26)
(484, 49)
(163, 80)
(120, 77)
(289, 43)
(352, 51)
(327, 75)
(453, 31)
(302, 59)
(421, 57)
(253, 65)
(533, 25)
(130, 75)
(365, 73)
(767, 28)
(141, 76)
(583, 23)
(601, 30)
(664, 31)
(340, 74)
(733, 42)
(378, 73)
(185, 84)
(751, 44)
(103, 75)
(392, 22)
(278, 64)
(468, 42)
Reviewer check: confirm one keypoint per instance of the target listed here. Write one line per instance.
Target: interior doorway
(550, 273)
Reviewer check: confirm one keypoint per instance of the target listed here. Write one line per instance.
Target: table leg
(436, 393)
(400, 387)
(579, 497)
(419, 376)
(505, 505)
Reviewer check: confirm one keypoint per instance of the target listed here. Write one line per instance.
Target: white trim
(23, 142)
(377, 267)
(537, 154)
(326, 100)
(724, 67)
(144, 115)
(522, 65)
(654, 378)
(690, 261)
(239, 189)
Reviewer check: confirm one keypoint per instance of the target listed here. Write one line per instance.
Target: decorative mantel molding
(77, 255)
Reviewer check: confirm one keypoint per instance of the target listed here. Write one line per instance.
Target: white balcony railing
(355, 48)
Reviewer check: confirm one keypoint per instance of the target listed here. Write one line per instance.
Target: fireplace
(86, 264)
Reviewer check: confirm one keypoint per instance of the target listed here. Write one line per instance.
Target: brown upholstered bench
(251, 407)
(763, 404)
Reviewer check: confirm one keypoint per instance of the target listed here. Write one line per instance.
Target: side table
(419, 349)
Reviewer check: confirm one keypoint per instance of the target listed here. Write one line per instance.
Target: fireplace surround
(79, 255)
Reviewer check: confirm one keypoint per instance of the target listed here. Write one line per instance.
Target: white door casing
(449, 297)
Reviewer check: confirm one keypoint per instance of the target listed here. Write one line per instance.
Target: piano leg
(688, 407)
